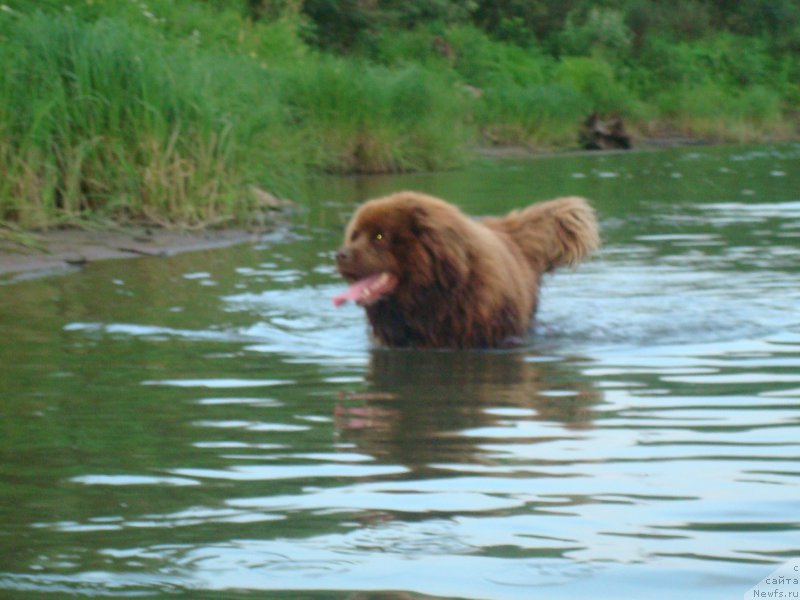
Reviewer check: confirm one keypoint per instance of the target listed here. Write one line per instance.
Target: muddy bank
(62, 250)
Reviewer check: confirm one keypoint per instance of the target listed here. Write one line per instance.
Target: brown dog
(431, 277)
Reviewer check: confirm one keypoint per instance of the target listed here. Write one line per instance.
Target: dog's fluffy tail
(551, 234)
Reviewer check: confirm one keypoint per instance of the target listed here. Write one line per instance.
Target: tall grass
(725, 88)
(367, 118)
(529, 98)
(712, 112)
(171, 111)
(537, 115)
(95, 120)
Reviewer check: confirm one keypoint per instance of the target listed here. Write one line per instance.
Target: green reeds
(714, 113)
(370, 119)
(536, 115)
(95, 120)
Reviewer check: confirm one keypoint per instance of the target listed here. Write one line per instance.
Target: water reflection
(423, 408)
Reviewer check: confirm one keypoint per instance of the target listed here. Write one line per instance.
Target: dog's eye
(378, 237)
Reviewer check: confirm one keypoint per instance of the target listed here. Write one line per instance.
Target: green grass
(537, 116)
(711, 112)
(172, 111)
(365, 118)
(96, 120)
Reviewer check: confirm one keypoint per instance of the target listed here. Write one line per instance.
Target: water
(210, 426)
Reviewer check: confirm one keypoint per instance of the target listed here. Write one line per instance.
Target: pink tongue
(367, 289)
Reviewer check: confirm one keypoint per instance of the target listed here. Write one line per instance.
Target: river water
(209, 426)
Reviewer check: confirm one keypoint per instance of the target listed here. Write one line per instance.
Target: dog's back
(551, 234)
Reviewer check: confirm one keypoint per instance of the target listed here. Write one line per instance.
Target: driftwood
(599, 134)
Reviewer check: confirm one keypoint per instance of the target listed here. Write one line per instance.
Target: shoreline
(63, 250)
(51, 252)
(642, 144)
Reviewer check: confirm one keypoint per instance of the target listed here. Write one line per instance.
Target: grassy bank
(173, 113)
(99, 119)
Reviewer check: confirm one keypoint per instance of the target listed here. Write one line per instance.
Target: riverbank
(173, 113)
(26, 254)
(60, 251)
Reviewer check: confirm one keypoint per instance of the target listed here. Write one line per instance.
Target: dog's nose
(343, 255)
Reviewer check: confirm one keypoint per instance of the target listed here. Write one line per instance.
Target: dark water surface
(210, 426)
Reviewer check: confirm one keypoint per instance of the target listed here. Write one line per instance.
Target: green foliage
(94, 119)
(709, 110)
(170, 111)
(687, 20)
(419, 46)
(523, 20)
(366, 118)
(481, 61)
(769, 18)
(347, 25)
(730, 60)
(595, 80)
(537, 115)
(97, 118)
(601, 31)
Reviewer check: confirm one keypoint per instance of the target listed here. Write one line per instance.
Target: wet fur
(462, 282)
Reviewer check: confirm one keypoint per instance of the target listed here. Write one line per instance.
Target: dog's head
(400, 244)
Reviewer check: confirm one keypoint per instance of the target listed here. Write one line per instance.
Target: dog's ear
(445, 251)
